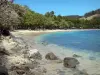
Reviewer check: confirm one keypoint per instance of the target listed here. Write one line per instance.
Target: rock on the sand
(34, 53)
(70, 62)
(51, 56)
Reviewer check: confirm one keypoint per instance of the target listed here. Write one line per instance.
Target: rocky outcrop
(13, 51)
(14, 45)
(51, 56)
(3, 54)
(3, 51)
(3, 70)
(70, 62)
(34, 54)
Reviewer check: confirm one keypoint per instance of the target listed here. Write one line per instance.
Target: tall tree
(8, 16)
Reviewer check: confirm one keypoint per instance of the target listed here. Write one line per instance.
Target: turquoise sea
(85, 43)
(79, 41)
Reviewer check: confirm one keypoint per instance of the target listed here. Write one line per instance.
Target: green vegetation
(33, 20)
(27, 19)
(92, 13)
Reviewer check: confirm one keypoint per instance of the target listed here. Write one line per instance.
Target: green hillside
(14, 16)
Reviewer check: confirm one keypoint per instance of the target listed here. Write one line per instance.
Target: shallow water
(88, 40)
(44, 43)
(82, 41)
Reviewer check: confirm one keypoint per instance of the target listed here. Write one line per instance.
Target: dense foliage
(33, 20)
(21, 17)
(92, 13)
(8, 16)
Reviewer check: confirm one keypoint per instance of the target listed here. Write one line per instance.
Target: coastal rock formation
(3, 54)
(19, 65)
(70, 62)
(21, 69)
(3, 70)
(51, 56)
(34, 54)
(12, 55)
(14, 45)
(3, 51)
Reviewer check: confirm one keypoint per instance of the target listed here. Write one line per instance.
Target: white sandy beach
(57, 30)
(38, 32)
(91, 66)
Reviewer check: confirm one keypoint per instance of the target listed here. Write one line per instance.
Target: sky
(62, 7)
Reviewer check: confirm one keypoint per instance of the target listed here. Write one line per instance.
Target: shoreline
(33, 35)
(56, 30)
(39, 32)
(92, 66)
